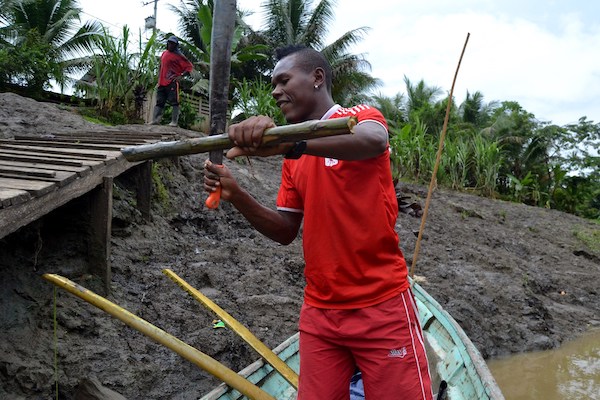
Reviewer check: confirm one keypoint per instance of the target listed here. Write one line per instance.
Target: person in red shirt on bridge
(358, 308)
(173, 65)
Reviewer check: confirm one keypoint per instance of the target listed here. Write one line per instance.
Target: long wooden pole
(286, 133)
(223, 25)
(186, 351)
(437, 164)
(243, 332)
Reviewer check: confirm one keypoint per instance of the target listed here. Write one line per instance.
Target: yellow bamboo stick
(277, 363)
(186, 351)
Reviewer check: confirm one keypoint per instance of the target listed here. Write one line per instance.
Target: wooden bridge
(40, 174)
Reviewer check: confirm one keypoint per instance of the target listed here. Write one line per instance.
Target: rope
(437, 164)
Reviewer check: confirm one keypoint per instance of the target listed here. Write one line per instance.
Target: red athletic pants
(384, 341)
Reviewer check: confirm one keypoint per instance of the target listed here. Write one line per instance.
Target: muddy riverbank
(516, 278)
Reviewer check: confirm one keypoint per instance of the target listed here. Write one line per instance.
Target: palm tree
(195, 23)
(52, 28)
(392, 108)
(475, 111)
(289, 22)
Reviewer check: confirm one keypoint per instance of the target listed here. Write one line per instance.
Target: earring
(317, 87)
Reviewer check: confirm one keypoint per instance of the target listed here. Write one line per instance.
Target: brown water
(569, 372)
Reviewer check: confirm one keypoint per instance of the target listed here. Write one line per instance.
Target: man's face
(293, 89)
(171, 46)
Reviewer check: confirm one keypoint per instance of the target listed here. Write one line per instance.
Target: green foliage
(195, 21)
(497, 150)
(486, 161)
(120, 79)
(161, 193)
(30, 65)
(455, 162)
(299, 22)
(254, 98)
(410, 147)
(591, 237)
(43, 40)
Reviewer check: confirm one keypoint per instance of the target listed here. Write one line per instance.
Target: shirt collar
(331, 111)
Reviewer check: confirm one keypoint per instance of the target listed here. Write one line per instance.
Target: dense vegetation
(494, 149)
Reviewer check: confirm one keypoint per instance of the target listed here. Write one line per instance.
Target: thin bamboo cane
(286, 133)
(436, 166)
(188, 352)
(243, 332)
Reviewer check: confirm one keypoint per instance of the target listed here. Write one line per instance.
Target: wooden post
(143, 185)
(100, 227)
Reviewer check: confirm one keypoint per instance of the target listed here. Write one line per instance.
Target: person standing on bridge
(358, 307)
(173, 65)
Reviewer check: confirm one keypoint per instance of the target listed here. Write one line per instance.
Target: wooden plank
(62, 178)
(15, 217)
(51, 160)
(10, 197)
(40, 160)
(58, 152)
(64, 148)
(60, 143)
(42, 173)
(109, 133)
(36, 188)
(113, 136)
(144, 189)
(100, 211)
(81, 171)
(98, 141)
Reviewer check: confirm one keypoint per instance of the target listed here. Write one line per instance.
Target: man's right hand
(219, 176)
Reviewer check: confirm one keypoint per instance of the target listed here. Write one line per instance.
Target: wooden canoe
(458, 370)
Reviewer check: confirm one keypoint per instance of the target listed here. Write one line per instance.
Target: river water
(569, 372)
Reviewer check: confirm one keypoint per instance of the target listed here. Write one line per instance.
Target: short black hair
(308, 58)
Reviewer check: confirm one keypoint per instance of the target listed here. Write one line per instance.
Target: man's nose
(276, 92)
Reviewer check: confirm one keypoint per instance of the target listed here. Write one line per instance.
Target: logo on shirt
(395, 353)
(330, 162)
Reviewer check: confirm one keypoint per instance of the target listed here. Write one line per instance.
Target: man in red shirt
(173, 65)
(358, 310)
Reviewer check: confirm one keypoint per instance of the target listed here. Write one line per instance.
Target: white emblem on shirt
(330, 162)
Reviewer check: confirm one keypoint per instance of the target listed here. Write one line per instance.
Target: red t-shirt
(350, 208)
(172, 64)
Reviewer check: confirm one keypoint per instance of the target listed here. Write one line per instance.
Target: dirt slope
(516, 278)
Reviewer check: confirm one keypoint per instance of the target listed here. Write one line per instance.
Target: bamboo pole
(436, 165)
(188, 352)
(277, 363)
(285, 133)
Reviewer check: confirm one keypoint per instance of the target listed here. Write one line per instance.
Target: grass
(96, 120)
(591, 238)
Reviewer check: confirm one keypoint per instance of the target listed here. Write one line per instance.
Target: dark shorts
(168, 94)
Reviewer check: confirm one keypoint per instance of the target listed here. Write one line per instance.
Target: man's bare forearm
(273, 224)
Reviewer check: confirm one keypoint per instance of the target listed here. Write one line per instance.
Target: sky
(543, 54)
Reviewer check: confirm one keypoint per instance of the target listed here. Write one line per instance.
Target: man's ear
(319, 76)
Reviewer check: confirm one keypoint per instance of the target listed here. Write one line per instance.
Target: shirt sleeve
(288, 198)
(372, 114)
